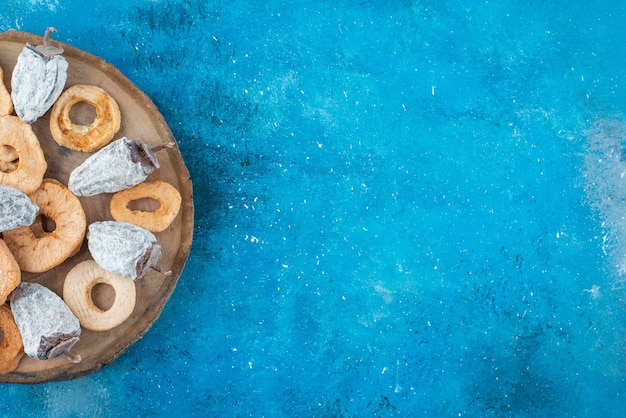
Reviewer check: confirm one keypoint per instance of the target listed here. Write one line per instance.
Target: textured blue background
(398, 203)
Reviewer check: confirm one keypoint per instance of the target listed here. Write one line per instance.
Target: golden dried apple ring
(168, 197)
(10, 273)
(11, 346)
(37, 248)
(85, 137)
(28, 165)
(77, 288)
(6, 103)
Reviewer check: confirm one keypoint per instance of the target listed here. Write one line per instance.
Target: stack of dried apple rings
(29, 244)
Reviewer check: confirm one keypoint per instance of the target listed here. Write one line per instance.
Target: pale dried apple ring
(10, 273)
(168, 197)
(18, 140)
(37, 250)
(85, 137)
(77, 288)
(11, 346)
(6, 103)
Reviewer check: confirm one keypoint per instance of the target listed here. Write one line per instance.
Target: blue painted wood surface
(396, 210)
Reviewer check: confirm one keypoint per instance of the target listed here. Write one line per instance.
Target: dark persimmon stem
(160, 270)
(159, 147)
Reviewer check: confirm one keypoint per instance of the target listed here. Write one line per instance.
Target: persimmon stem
(159, 147)
(160, 270)
(74, 358)
(46, 36)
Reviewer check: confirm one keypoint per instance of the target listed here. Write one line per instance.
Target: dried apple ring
(6, 103)
(77, 288)
(28, 164)
(85, 137)
(11, 346)
(168, 197)
(10, 274)
(38, 248)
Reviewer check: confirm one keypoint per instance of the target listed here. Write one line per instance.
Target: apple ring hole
(103, 296)
(83, 113)
(1, 335)
(9, 159)
(144, 204)
(43, 226)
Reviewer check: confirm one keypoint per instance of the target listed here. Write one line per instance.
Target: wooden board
(140, 119)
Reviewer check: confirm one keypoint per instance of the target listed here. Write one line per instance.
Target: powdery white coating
(44, 321)
(115, 167)
(122, 248)
(37, 82)
(16, 209)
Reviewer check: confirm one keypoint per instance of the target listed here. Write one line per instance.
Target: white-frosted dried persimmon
(38, 78)
(121, 164)
(16, 208)
(123, 249)
(48, 327)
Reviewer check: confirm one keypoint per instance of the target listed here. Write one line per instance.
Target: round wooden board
(140, 119)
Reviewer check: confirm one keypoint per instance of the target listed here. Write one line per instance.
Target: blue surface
(404, 208)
